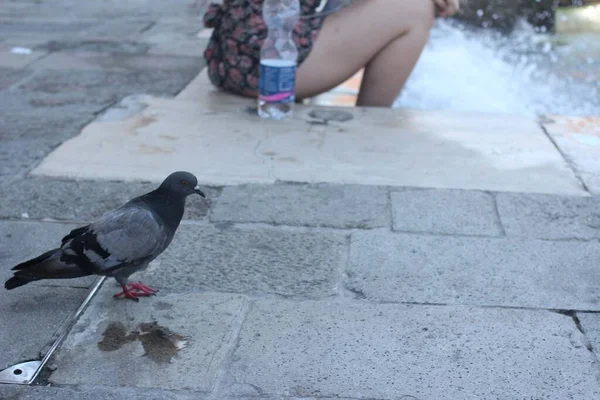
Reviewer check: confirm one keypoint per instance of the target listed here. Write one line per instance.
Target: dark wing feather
(74, 233)
(36, 260)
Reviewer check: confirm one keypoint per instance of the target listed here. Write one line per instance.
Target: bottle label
(277, 83)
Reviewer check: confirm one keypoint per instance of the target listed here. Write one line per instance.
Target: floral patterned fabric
(233, 52)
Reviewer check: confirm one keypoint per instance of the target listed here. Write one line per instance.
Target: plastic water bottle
(278, 59)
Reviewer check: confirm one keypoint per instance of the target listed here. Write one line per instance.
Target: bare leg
(385, 37)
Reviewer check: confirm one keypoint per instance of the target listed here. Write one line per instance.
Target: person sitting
(385, 37)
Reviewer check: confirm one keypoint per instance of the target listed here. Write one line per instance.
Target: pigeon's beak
(200, 192)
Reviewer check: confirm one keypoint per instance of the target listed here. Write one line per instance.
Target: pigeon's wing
(129, 235)
(74, 233)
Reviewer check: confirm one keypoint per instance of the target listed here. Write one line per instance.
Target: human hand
(446, 8)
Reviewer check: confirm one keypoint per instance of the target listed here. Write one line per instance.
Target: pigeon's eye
(184, 182)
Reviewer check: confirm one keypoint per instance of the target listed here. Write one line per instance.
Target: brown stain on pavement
(140, 122)
(169, 137)
(147, 149)
(582, 125)
(289, 159)
(159, 342)
(114, 337)
(143, 121)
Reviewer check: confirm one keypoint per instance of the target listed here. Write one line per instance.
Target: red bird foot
(135, 290)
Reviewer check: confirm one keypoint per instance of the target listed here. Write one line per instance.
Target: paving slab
(170, 341)
(81, 200)
(35, 28)
(17, 157)
(387, 351)
(31, 318)
(338, 206)
(66, 10)
(42, 123)
(75, 45)
(11, 59)
(176, 38)
(32, 314)
(18, 103)
(549, 217)
(96, 83)
(21, 241)
(250, 259)
(117, 29)
(17, 392)
(231, 145)
(590, 323)
(579, 140)
(29, 132)
(476, 271)
(69, 27)
(457, 212)
(118, 62)
(77, 91)
(10, 76)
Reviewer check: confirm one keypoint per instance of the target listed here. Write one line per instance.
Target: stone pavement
(465, 269)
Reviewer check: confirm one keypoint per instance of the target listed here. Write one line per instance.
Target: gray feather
(130, 234)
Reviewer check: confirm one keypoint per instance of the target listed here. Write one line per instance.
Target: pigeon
(119, 243)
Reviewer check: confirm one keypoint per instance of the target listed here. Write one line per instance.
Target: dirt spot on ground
(159, 342)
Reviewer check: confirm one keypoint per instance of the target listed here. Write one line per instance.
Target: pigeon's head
(182, 183)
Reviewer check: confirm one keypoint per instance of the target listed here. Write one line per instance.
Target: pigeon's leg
(132, 290)
(129, 294)
(143, 288)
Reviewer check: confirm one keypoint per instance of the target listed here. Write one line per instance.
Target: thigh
(350, 38)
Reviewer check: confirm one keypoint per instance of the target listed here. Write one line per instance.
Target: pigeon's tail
(45, 266)
(35, 261)
(15, 282)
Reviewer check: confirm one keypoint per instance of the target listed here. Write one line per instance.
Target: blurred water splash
(527, 72)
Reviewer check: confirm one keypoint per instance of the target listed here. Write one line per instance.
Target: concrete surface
(10, 76)
(46, 98)
(425, 149)
(251, 259)
(23, 240)
(170, 37)
(176, 342)
(337, 206)
(389, 351)
(117, 62)
(476, 271)
(283, 288)
(550, 217)
(42, 199)
(103, 393)
(11, 59)
(579, 140)
(31, 319)
(445, 212)
(32, 314)
(590, 323)
(8, 392)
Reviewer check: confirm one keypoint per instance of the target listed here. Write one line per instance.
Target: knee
(418, 14)
(422, 13)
